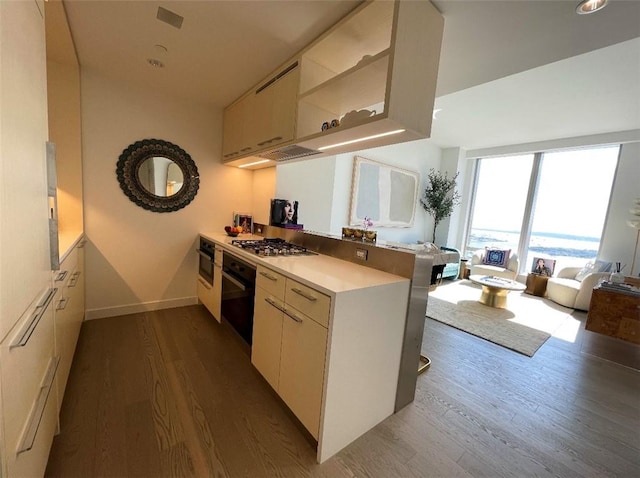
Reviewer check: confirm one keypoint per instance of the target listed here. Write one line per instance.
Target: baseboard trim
(103, 313)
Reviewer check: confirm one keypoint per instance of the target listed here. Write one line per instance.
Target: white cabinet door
(216, 299)
(267, 335)
(24, 236)
(304, 346)
(205, 293)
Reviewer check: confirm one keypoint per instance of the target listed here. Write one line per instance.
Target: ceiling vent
(169, 17)
(289, 152)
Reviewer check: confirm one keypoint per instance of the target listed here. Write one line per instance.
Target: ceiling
(501, 61)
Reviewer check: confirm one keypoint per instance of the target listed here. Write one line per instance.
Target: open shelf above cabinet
(379, 62)
(358, 87)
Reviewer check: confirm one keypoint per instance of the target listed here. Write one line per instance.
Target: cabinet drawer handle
(204, 283)
(292, 316)
(31, 431)
(274, 304)
(248, 148)
(303, 294)
(61, 276)
(74, 279)
(268, 276)
(62, 304)
(26, 332)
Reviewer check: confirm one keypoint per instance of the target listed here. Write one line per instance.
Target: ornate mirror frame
(137, 153)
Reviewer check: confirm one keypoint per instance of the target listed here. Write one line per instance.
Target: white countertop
(325, 273)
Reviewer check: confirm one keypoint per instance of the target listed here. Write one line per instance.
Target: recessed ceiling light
(590, 6)
(155, 63)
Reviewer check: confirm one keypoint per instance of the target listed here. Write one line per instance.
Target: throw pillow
(590, 268)
(496, 257)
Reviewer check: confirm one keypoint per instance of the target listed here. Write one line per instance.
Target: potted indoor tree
(440, 197)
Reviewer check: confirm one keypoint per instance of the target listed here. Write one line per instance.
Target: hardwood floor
(172, 393)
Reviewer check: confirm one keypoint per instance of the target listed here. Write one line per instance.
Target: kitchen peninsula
(359, 311)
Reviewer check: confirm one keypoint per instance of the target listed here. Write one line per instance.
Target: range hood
(292, 151)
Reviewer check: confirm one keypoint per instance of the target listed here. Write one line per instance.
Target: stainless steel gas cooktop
(271, 247)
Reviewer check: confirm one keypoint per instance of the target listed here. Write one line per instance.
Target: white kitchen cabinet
(69, 312)
(375, 71)
(302, 359)
(263, 117)
(205, 293)
(216, 302)
(267, 336)
(289, 347)
(211, 294)
(339, 368)
(29, 399)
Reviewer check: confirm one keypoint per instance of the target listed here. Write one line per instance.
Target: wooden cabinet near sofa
(614, 313)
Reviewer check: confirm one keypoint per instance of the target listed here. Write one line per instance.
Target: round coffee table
(495, 289)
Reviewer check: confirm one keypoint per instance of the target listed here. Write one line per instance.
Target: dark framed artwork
(283, 212)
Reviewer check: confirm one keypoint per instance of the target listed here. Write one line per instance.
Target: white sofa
(509, 272)
(566, 290)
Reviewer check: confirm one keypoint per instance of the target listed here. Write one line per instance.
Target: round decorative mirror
(158, 175)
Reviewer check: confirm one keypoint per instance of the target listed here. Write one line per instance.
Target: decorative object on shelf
(334, 123)
(157, 175)
(383, 193)
(616, 276)
(354, 116)
(359, 234)
(440, 197)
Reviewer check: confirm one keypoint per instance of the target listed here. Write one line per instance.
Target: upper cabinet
(263, 117)
(368, 81)
(63, 96)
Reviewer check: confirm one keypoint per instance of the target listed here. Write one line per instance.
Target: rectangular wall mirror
(386, 194)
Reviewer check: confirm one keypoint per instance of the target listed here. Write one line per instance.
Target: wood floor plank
(190, 404)
(143, 455)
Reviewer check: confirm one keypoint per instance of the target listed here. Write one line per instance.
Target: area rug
(525, 324)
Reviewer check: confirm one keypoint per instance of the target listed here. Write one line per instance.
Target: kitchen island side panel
(363, 360)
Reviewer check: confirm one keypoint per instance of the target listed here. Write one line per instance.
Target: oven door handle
(235, 281)
(205, 255)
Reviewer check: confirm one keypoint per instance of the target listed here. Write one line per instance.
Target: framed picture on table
(243, 220)
(543, 266)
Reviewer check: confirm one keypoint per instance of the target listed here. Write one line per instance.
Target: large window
(550, 205)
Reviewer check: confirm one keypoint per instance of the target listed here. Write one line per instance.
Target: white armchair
(509, 272)
(568, 291)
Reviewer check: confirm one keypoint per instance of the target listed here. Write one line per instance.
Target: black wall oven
(206, 253)
(238, 290)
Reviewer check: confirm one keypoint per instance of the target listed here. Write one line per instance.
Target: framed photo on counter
(243, 220)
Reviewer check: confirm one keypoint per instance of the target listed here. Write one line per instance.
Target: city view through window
(568, 206)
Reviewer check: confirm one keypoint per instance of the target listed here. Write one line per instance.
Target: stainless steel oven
(238, 289)
(206, 252)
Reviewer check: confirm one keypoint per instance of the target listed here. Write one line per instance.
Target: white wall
(323, 188)
(264, 189)
(311, 183)
(618, 239)
(138, 259)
